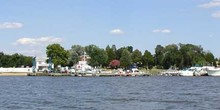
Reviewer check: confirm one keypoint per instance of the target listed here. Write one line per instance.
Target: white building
(41, 65)
(82, 65)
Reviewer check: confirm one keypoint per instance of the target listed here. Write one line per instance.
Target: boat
(213, 71)
(187, 72)
(172, 71)
(131, 72)
(194, 71)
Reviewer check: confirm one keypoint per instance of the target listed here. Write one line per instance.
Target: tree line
(15, 60)
(177, 55)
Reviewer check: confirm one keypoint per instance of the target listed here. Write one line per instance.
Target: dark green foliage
(58, 54)
(191, 55)
(136, 57)
(158, 57)
(130, 49)
(147, 60)
(15, 60)
(111, 53)
(210, 59)
(173, 55)
(125, 58)
(98, 56)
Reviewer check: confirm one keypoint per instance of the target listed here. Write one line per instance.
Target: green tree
(58, 54)
(171, 56)
(209, 57)
(15, 60)
(98, 56)
(159, 50)
(75, 52)
(191, 55)
(148, 59)
(111, 54)
(218, 61)
(5, 61)
(125, 58)
(136, 57)
(130, 49)
(119, 52)
(114, 48)
(28, 61)
(2, 59)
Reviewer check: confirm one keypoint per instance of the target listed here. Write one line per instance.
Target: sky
(28, 26)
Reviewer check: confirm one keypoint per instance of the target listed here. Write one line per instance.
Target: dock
(86, 75)
(48, 74)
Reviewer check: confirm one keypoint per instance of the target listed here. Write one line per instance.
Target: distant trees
(182, 56)
(191, 55)
(136, 57)
(177, 55)
(148, 60)
(15, 60)
(125, 58)
(171, 56)
(210, 59)
(111, 53)
(158, 57)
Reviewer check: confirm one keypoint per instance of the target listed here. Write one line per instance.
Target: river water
(110, 93)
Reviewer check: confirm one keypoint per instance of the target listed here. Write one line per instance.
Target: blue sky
(28, 26)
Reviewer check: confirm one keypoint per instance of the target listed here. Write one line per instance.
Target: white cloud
(11, 25)
(117, 31)
(37, 41)
(34, 52)
(213, 3)
(162, 31)
(216, 14)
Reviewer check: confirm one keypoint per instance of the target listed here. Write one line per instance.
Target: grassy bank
(153, 71)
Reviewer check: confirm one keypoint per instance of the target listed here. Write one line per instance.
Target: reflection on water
(109, 93)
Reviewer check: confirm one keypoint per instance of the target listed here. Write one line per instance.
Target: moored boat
(213, 71)
(187, 72)
(194, 71)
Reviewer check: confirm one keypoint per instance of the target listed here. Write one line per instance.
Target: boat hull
(186, 73)
(214, 72)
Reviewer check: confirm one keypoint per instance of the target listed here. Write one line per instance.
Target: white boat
(194, 71)
(213, 71)
(187, 72)
(170, 72)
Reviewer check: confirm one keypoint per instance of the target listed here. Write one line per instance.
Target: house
(40, 65)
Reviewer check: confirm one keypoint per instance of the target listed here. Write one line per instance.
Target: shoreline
(13, 74)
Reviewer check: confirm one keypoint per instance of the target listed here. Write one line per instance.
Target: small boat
(170, 72)
(187, 72)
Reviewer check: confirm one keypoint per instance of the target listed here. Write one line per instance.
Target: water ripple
(118, 93)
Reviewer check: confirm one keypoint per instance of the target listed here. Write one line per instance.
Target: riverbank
(149, 72)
